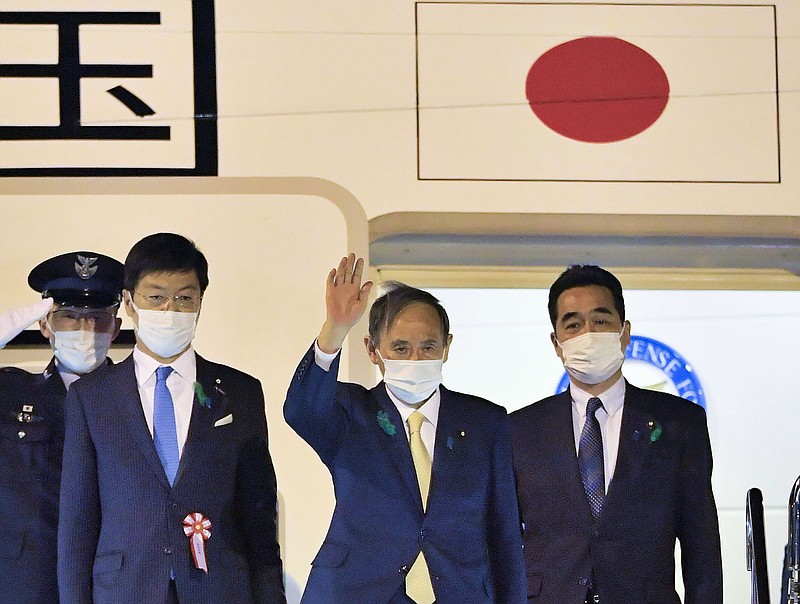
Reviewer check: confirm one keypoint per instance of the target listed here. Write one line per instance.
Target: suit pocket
(108, 563)
(22, 433)
(534, 585)
(11, 545)
(331, 555)
(224, 421)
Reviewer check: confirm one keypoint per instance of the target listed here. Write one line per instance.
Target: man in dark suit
(78, 315)
(169, 492)
(609, 475)
(404, 530)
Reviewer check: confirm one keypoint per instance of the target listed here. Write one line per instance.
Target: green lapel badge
(386, 424)
(201, 395)
(655, 430)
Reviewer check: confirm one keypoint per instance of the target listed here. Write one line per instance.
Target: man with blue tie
(610, 475)
(425, 503)
(169, 492)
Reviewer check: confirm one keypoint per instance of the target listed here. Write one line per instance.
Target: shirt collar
(185, 366)
(613, 398)
(430, 408)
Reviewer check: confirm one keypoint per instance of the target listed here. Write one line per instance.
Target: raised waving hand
(345, 302)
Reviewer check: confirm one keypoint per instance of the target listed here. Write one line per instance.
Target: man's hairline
(168, 272)
(555, 321)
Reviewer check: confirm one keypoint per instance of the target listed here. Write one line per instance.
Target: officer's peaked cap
(84, 279)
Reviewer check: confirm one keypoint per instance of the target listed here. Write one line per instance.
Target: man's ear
(373, 354)
(44, 329)
(625, 336)
(126, 303)
(556, 346)
(447, 347)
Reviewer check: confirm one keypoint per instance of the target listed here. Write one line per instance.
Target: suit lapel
(633, 445)
(203, 415)
(446, 428)
(52, 386)
(126, 397)
(46, 399)
(397, 446)
(449, 427)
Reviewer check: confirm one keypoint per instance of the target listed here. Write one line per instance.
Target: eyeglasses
(184, 302)
(99, 321)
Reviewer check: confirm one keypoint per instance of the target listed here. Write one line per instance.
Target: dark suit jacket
(120, 530)
(470, 531)
(661, 490)
(30, 473)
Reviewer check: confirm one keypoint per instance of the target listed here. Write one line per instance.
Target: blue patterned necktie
(590, 458)
(165, 433)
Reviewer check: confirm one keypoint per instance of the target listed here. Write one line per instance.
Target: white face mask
(412, 381)
(80, 351)
(593, 357)
(166, 332)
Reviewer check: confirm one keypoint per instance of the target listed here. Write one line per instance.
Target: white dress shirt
(609, 417)
(430, 408)
(180, 383)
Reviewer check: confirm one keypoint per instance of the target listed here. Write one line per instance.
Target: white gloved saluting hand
(14, 321)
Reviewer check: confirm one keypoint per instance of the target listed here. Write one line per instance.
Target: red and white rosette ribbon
(198, 529)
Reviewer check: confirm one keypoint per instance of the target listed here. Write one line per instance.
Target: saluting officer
(81, 292)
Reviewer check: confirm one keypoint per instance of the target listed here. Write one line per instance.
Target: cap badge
(85, 269)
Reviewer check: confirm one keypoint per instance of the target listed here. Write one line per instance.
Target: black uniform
(32, 436)
(31, 442)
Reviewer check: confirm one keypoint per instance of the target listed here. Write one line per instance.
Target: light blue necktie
(165, 433)
(590, 458)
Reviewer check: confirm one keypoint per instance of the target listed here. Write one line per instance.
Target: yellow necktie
(418, 581)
